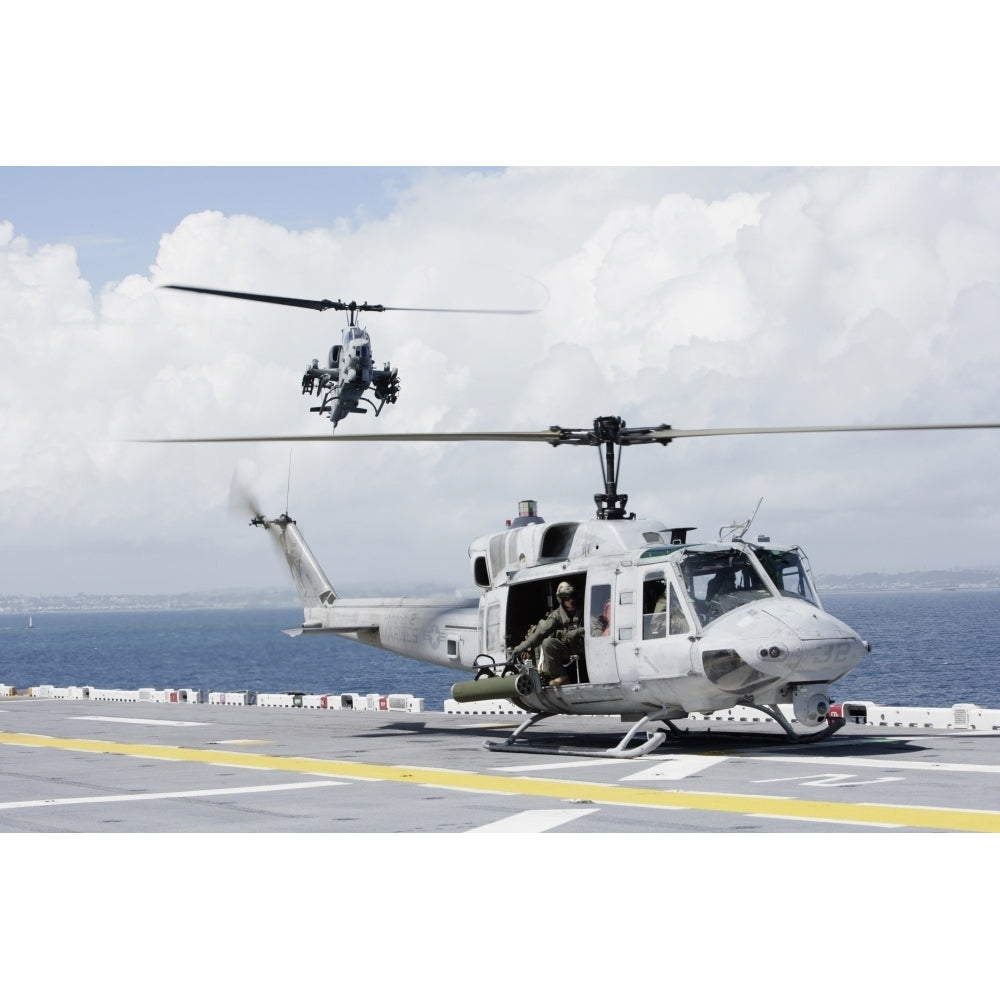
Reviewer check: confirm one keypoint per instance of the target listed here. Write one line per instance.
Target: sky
(771, 297)
(699, 296)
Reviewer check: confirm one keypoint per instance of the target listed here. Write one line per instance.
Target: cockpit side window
(662, 613)
(788, 573)
(677, 623)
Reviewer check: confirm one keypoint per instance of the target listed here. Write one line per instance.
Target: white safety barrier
(498, 706)
(405, 703)
(69, 693)
(275, 700)
(740, 713)
(963, 716)
(351, 702)
(869, 713)
(231, 698)
(111, 694)
(974, 717)
(180, 696)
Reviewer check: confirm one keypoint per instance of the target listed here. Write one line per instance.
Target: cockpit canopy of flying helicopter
(358, 339)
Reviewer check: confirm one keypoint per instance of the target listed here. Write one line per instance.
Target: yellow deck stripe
(966, 820)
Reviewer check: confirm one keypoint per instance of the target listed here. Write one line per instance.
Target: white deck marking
(886, 764)
(827, 780)
(565, 762)
(136, 722)
(471, 791)
(674, 768)
(532, 821)
(820, 819)
(87, 800)
(225, 743)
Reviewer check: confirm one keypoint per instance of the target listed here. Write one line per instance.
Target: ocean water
(930, 648)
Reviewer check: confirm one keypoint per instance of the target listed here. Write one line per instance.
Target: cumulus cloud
(765, 298)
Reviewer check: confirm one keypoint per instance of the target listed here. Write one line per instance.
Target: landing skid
(619, 752)
(832, 725)
(654, 739)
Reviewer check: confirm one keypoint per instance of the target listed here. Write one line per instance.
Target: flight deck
(93, 766)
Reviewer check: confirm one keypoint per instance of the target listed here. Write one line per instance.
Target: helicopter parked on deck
(670, 626)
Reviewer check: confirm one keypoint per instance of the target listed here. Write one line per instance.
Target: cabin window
(600, 610)
(453, 647)
(493, 626)
(480, 573)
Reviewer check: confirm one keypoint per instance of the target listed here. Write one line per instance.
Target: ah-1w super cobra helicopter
(663, 640)
(350, 370)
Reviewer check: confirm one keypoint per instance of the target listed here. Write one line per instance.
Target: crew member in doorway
(560, 634)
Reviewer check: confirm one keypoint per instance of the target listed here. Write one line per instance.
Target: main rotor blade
(323, 304)
(319, 304)
(558, 435)
(495, 312)
(667, 435)
(551, 437)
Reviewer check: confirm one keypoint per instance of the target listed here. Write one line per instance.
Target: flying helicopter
(670, 626)
(349, 382)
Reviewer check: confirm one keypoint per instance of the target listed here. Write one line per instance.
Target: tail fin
(310, 580)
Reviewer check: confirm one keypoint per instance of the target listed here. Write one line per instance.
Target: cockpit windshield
(357, 343)
(719, 581)
(787, 570)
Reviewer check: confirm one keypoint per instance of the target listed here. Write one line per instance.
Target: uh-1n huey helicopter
(349, 375)
(670, 627)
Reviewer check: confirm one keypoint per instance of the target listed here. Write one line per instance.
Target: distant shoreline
(33, 604)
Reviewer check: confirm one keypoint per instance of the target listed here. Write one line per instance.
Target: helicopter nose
(778, 641)
(828, 648)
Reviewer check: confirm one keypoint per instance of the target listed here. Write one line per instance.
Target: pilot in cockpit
(724, 582)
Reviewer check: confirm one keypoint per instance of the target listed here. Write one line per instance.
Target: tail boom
(430, 630)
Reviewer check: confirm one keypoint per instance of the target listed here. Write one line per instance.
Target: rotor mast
(608, 434)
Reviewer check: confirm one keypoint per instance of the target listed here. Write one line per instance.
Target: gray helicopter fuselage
(349, 373)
